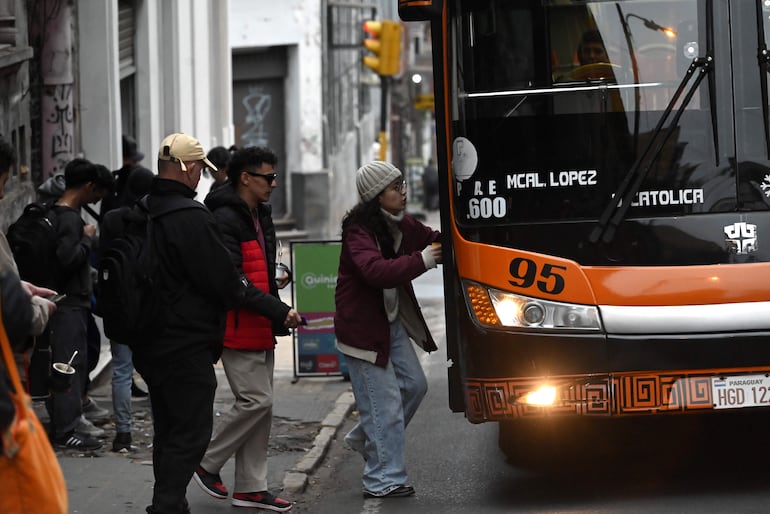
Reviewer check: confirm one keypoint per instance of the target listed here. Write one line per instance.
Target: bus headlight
(494, 307)
(544, 396)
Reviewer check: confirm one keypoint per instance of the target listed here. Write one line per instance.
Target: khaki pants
(245, 429)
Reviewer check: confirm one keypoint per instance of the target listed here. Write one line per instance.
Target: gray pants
(245, 429)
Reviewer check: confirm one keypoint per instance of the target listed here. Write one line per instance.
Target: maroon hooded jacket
(360, 319)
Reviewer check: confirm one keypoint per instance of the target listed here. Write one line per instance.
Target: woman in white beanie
(383, 250)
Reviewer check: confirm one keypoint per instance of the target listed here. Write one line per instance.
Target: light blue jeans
(122, 373)
(386, 399)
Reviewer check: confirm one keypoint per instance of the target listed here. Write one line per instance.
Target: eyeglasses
(399, 187)
(270, 177)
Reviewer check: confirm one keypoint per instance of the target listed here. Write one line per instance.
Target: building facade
(83, 72)
(15, 124)
(299, 88)
(77, 74)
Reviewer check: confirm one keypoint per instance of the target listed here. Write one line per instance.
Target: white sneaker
(86, 427)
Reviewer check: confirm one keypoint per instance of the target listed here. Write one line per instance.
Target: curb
(295, 480)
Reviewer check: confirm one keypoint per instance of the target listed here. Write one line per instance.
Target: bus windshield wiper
(615, 211)
(762, 59)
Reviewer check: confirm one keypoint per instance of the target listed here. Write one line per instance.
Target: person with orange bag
(31, 476)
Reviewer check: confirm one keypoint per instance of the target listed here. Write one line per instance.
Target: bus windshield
(555, 102)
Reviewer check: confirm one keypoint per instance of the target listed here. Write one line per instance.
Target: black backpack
(128, 279)
(32, 239)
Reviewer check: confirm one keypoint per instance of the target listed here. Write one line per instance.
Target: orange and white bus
(604, 209)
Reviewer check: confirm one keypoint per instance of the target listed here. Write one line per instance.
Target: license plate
(739, 391)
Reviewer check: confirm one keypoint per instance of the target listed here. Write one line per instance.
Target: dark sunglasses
(270, 177)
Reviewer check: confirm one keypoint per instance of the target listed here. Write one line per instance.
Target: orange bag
(31, 478)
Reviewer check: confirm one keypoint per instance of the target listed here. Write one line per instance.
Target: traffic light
(385, 44)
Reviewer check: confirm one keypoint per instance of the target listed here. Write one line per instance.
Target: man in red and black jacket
(247, 229)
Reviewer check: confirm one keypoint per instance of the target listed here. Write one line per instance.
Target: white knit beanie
(372, 178)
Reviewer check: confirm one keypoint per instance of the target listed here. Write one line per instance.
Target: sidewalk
(306, 415)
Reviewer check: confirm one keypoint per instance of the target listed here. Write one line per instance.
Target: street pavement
(313, 407)
(307, 413)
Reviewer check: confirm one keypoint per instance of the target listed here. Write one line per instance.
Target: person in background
(198, 285)
(244, 218)
(123, 196)
(131, 159)
(591, 49)
(220, 157)
(68, 327)
(138, 184)
(383, 250)
(92, 412)
(430, 186)
(48, 193)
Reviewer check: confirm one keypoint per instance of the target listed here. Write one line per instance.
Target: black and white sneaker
(78, 441)
(397, 492)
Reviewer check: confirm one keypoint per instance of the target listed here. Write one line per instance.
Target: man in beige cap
(198, 284)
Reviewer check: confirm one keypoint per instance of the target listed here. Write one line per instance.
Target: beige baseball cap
(181, 147)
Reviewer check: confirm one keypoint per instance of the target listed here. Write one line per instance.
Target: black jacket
(236, 224)
(73, 250)
(199, 281)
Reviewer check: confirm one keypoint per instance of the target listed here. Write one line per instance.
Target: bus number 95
(524, 272)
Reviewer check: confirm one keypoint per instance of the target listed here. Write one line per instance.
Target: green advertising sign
(315, 275)
(315, 280)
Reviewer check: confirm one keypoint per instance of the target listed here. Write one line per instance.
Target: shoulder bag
(31, 477)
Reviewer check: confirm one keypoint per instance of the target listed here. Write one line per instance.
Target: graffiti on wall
(58, 128)
(257, 104)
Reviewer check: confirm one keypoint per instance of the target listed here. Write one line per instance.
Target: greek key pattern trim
(618, 394)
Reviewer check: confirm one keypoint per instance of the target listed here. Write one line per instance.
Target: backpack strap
(46, 209)
(93, 213)
(175, 203)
